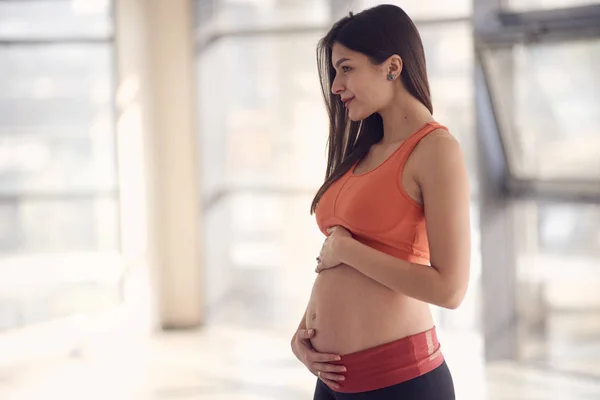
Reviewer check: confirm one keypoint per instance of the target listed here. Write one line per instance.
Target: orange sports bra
(374, 207)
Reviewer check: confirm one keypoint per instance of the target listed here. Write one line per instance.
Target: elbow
(451, 304)
(453, 298)
(452, 288)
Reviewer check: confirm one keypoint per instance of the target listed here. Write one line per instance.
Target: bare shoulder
(435, 147)
(439, 140)
(439, 154)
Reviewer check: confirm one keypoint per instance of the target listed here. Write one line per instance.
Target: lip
(347, 101)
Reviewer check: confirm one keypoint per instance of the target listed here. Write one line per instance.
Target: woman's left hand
(329, 258)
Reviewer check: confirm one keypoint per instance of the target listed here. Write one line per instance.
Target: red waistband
(391, 363)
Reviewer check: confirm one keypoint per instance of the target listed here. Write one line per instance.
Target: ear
(394, 66)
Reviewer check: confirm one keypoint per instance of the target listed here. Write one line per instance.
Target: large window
(540, 61)
(265, 125)
(547, 97)
(58, 178)
(56, 118)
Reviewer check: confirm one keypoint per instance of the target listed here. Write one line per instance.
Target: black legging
(434, 385)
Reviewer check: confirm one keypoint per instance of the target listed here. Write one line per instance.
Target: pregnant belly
(351, 312)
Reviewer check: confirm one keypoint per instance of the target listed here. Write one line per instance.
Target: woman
(395, 209)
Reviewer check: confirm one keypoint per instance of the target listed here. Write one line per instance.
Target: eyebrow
(341, 60)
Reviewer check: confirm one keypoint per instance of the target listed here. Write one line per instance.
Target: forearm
(421, 282)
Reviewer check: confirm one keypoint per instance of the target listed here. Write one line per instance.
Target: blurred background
(157, 164)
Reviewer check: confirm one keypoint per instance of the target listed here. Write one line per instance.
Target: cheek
(372, 97)
(380, 94)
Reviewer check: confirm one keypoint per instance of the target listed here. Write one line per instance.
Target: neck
(403, 117)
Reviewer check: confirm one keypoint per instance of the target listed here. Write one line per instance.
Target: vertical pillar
(498, 224)
(498, 227)
(158, 164)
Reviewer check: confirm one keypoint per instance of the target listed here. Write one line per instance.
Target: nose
(336, 86)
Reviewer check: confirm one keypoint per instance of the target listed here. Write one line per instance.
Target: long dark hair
(378, 32)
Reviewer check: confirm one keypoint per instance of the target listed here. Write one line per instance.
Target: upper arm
(443, 179)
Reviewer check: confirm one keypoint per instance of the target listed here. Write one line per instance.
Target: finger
(305, 333)
(321, 267)
(332, 384)
(331, 377)
(326, 367)
(317, 357)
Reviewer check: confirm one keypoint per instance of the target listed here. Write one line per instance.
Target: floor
(234, 360)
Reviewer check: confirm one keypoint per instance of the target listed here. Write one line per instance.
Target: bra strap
(412, 142)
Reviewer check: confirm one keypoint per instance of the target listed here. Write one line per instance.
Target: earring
(390, 77)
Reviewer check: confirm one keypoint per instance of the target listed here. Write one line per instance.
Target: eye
(345, 68)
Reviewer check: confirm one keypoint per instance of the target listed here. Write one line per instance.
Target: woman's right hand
(317, 363)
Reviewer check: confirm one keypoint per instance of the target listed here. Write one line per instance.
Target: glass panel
(261, 124)
(228, 14)
(550, 118)
(559, 281)
(569, 229)
(529, 5)
(56, 118)
(61, 225)
(36, 288)
(264, 256)
(425, 9)
(58, 257)
(58, 234)
(55, 19)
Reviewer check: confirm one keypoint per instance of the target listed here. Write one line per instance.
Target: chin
(355, 116)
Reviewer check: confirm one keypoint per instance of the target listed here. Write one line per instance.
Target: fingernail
(337, 358)
(311, 331)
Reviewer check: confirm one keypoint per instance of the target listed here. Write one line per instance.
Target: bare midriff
(351, 312)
